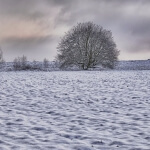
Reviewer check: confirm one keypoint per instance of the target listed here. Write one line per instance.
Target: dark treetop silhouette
(87, 45)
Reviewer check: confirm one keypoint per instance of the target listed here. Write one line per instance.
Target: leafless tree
(45, 63)
(2, 61)
(20, 63)
(87, 45)
(23, 62)
(35, 65)
(17, 63)
(1, 55)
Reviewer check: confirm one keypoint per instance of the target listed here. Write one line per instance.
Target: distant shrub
(45, 63)
(2, 61)
(20, 63)
(35, 65)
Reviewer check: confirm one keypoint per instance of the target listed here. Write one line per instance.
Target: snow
(79, 110)
(133, 65)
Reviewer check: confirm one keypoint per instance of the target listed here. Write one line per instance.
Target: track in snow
(105, 110)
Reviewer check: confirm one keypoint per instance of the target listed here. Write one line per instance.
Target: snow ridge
(79, 110)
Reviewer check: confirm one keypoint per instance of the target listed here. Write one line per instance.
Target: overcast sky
(34, 27)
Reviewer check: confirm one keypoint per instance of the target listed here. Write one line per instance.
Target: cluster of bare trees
(87, 45)
(21, 63)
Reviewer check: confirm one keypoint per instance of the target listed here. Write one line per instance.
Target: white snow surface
(79, 110)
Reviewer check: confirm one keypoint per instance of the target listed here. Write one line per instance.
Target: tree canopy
(87, 45)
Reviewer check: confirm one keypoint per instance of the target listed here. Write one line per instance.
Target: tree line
(85, 46)
(21, 63)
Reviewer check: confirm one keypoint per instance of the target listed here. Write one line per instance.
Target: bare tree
(2, 61)
(45, 63)
(17, 63)
(23, 62)
(35, 65)
(87, 45)
(20, 63)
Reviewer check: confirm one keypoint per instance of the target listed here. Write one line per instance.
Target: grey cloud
(100, 11)
(29, 42)
(62, 3)
(113, 15)
(141, 28)
(23, 9)
(15, 7)
(35, 48)
(128, 19)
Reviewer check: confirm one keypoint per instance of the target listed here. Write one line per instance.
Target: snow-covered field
(106, 110)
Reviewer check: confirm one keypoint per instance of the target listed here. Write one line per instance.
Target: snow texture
(79, 110)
